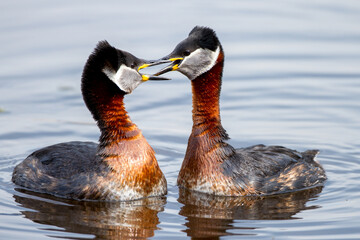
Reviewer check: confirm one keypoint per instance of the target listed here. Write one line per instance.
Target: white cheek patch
(198, 62)
(127, 79)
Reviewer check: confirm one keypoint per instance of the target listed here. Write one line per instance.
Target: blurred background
(291, 78)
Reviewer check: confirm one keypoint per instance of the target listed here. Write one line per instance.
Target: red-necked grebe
(123, 165)
(213, 166)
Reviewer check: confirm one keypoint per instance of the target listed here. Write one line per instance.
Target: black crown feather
(206, 37)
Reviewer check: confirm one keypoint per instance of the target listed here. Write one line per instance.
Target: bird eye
(186, 53)
(132, 65)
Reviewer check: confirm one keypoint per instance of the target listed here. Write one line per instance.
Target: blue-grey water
(291, 78)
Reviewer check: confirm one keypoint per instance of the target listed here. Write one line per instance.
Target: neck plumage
(120, 138)
(206, 147)
(125, 151)
(115, 124)
(206, 94)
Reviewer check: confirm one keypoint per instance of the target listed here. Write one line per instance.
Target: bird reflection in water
(209, 216)
(104, 220)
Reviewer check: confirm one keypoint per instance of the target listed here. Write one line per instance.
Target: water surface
(291, 78)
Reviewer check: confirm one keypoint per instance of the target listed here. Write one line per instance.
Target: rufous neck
(206, 94)
(115, 124)
(125, 151)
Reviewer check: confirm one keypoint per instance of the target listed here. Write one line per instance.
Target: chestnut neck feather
(106, 103)
(206, 95)
(206, 141)
(115, 124)
(124, 149)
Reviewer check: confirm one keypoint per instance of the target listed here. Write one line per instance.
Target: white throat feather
(127, 79)
(198, 62)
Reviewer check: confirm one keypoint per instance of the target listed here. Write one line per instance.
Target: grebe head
(194, 55)
(110, 73)
(118, 66)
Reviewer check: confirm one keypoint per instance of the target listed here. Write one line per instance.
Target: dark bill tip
(156, 78)
(153, 78)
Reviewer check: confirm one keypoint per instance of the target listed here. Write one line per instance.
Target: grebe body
(213, 166)
(123, 165)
